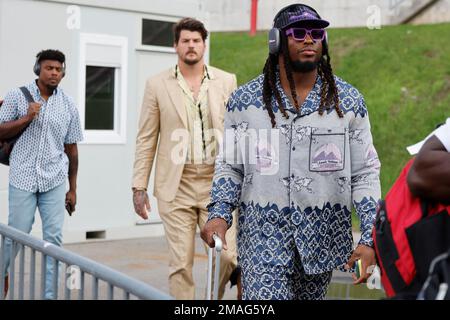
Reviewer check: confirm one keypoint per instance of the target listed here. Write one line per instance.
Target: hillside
(402, 71)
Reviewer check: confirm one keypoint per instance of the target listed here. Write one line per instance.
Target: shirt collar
(311, 103)
(207, 73)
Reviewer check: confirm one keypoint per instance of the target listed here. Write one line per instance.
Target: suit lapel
(176, 96)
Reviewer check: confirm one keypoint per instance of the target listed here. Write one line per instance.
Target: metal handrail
(113, 278)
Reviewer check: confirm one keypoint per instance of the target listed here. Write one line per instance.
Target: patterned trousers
(296, 286)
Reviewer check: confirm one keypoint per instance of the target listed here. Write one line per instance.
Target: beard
(193, 61)
(304, 66)
(51, 87)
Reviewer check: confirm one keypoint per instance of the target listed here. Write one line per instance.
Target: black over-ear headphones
(275, 33)
(37, 66)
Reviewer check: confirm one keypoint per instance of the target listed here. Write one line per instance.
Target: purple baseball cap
(299, 14)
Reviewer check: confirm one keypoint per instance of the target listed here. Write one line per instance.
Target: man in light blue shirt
(43, 157)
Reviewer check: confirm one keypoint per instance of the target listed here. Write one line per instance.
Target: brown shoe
(6, 287)
(235, 279)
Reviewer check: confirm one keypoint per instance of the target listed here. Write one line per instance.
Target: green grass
(402, 71)
(342, 291)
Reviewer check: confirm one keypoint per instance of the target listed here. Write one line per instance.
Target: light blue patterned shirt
(38, 162)
(295, 185)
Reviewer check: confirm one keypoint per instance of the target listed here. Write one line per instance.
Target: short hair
(190, 24)
(50, 54)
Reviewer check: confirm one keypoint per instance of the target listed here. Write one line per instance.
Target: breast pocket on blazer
(327, 150)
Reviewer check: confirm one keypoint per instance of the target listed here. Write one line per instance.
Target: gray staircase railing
(76, 270)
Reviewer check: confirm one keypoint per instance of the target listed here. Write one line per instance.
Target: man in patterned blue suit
(297, 154)
(44, 156)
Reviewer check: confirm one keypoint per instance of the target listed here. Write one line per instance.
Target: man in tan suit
(183, 108)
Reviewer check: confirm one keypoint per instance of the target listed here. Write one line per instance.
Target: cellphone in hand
(358, 268)
(69, 208)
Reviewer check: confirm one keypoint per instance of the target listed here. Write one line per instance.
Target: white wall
(168, 8)
(437, 13)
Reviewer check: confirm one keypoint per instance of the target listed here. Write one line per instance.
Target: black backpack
(7, 145)
(437, 285)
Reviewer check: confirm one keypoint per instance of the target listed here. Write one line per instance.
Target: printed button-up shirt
(295, 184)
(38, 162)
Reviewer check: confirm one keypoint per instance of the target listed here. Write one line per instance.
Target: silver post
(43, 272)
(12, 271)
(67, 295)
(21, 271)
(209, 279)
(81, 292)
(95, 289)
(110, 292)
(55, 278)
(32, 273)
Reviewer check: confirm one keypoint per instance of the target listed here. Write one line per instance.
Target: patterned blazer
(295, 184)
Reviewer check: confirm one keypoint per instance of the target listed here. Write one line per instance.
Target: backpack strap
(30, 99)
(27, 94)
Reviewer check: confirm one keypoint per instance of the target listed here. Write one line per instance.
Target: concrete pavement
(147, 259)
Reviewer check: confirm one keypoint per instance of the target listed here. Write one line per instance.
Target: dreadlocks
(269, 88)
(328, 92)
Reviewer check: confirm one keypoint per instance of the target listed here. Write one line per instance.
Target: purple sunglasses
(300, 34)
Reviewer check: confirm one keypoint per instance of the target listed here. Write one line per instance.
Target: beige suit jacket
(162, 116)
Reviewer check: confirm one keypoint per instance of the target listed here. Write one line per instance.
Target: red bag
(408, 234)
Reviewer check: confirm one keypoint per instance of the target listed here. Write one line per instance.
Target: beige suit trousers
(181, 218)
